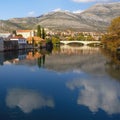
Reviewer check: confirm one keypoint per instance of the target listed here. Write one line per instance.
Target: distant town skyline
(33, 8)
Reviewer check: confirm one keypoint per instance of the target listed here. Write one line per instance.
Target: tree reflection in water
(65, 58)
(112, 64)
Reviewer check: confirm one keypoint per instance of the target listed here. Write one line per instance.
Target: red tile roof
(23, 31)
(35, 38)
(17, 37)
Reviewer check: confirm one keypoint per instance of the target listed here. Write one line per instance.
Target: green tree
(43, 33)
(55, 40)
(80, 37)
(20, 35)
(90, 38)
(33, 42)
(14, 32)
(39, 31)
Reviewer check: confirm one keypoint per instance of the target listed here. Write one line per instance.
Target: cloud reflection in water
(27, 100)
(98, 94)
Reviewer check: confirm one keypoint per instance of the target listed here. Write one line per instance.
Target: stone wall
(1, 44)
(10, 45)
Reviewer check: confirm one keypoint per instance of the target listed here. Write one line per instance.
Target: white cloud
(27, 100)
(31, 13)
(98, 94)
(78, 11)
(57, 9)
(93, 0)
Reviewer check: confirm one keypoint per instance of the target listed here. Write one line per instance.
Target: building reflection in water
(17, 57)
(27, 100)
(23, 57)
(88, 59)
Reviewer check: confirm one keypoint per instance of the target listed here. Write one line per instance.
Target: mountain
(17, 23)
(96, 18)
(100, 15)
(6, 26)
(62, 20)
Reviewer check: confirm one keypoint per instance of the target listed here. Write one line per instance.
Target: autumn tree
(114, 28)
(111, 40)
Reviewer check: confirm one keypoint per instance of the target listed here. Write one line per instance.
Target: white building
(20, 39)
(26, 33)
(5, 35)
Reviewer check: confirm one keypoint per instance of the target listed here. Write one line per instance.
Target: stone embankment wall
(1, 44)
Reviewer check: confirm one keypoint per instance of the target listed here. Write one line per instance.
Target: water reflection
(67, 49)
(97, 93)
(27, 100)
(88, 60)
(58, 61)
(112, 66)
(90, 87)
(78, 59)
(30, 58)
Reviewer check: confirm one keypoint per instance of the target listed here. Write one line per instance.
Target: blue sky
(25, 8)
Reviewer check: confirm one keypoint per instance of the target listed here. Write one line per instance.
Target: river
(67, 83)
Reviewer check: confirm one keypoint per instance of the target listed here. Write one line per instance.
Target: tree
(114, 28)
(111, 40)
(20, 35)
(39, 31)
(43, 33)
(90, 38)
(33, 41)
(14, 32)
(80, 37)
(55, 40)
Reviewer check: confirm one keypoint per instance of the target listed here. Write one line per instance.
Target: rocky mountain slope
(63, 20)
(100, 15)
(96, 18)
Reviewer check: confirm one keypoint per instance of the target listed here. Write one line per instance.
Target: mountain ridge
(95, 18)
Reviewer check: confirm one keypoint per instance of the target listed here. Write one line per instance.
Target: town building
(5, 35)
(26, 33)
(15, 43)
(95, 35)
(21, 41)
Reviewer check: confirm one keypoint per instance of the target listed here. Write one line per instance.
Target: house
(21, 41)
(26, 33)
(5, 35)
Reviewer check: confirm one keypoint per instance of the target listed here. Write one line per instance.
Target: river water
(67, 83)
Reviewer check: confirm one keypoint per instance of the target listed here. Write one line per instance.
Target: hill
(96, 18)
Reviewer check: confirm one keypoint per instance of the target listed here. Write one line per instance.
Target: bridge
(85, 43)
